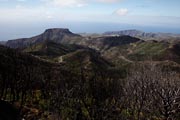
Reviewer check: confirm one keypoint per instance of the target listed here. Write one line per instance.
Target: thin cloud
(121, 11)
(21, 0)
(65, 3)
(76, 3)
(109, 1)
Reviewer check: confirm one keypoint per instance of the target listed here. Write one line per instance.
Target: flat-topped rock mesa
(55, 34)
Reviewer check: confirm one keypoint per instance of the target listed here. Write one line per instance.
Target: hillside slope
(145, 50)
(51, 49)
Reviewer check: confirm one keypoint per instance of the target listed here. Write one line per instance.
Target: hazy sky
(23, 18)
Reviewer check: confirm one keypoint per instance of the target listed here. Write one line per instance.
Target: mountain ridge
(142, 34)
(53, 34)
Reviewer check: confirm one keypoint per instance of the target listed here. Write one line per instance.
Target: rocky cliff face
(56, 34)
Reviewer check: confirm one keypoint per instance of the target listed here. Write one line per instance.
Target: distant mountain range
(127, 45)
(63, 35)
(142, 35)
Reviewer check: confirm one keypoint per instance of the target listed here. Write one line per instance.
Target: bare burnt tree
(138, 92)
(152, 92)
(166, 94)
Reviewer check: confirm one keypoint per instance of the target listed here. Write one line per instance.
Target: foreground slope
(37, 86)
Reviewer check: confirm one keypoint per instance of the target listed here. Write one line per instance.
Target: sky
(25, 18)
